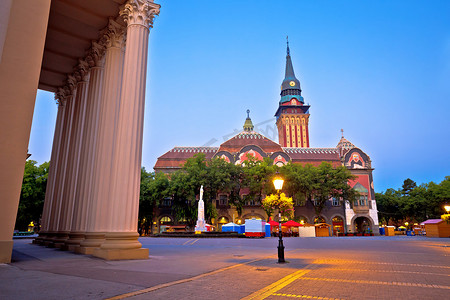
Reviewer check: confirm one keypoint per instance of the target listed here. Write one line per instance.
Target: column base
(40, 239)
(120, 254)
(49, 238)
(6, 251)
(92, 240)
(121, 245)
(61, 238)
(75, 239)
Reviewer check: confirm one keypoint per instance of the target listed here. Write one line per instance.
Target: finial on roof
(287, 42)
(248, 125)
(342, 132)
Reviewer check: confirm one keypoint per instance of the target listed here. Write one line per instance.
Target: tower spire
(287, 49)
(290, 88)
(292, 113)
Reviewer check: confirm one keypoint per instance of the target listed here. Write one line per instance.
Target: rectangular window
(355, 203)
(223, 200)
(167, 202)
(335, 202)
(363, 200)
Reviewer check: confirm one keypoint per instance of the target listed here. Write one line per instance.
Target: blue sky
(380, 70)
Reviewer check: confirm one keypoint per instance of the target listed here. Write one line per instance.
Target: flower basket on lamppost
(285, 206)
(278, 183)
(446, 217)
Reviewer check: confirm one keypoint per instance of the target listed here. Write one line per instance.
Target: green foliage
(309, 183)
(153, 189)
(413, 203)
(257, 177)
(32, 194)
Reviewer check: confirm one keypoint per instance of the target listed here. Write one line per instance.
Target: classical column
(121, 237)
(76, 234)
(71, 179)
(99, 206)
(60, 174)
(52, 169)
(83, 194)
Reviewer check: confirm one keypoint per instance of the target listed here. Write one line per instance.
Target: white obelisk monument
(200, 227)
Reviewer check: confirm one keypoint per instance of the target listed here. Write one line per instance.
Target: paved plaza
(190, 268)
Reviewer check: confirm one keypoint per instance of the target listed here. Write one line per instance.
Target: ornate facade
(292, 122)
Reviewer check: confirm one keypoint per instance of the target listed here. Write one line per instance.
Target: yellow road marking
(387, 271)
(305, 296)
(190, 240)
(276, 286)
(194, 241)
(164, 285)
(378, 282)
(346, 261)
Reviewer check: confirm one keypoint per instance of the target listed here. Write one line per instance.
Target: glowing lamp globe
(278, 183)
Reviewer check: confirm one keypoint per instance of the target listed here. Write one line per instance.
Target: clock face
(292, 83)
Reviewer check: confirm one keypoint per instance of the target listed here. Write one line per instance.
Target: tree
(32, 195)
(284, 204)
(257, 177)
(318, 184)
(413, 203)
(329, 183)
(154, 187)
(408, 186)
(389, 205)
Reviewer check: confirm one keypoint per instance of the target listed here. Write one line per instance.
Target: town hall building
(292, 119)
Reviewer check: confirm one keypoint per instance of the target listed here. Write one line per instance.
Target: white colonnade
(92, 198)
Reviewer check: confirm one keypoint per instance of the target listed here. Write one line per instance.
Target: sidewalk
(344, 268)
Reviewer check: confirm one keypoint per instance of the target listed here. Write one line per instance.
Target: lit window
(335, 202)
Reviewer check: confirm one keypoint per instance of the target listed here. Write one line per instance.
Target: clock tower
(292, 113)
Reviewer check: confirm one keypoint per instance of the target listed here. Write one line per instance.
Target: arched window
(319, 219)
(165, 220)
(338, 225)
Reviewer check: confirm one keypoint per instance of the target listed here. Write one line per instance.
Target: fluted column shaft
(80, 109)
(85, 176)
(126, 163)
(57, 195)
(107, 123)
(64, 224)
(52, 171)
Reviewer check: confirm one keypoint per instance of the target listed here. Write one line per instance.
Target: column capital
(81, 70)
(139, 12)
(71, 82)
(62, 94)
(95, 54)
(114, 34)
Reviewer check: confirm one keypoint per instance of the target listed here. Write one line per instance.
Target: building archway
(164, 221)
(362, 225)
(222, 221)
(337, 223)
(301, 219)
(319, 219)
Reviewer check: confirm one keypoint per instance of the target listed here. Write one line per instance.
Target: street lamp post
(278, 183)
